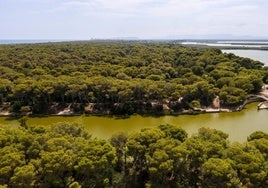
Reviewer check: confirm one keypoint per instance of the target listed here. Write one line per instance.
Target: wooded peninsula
(118, 77)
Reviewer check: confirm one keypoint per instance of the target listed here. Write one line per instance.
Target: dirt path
(265, 90)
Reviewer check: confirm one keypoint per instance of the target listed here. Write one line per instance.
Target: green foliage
(174, 132)
(122, 77)
(219, 173)
(73, 130)
(257, 135)
(119, 141)
(64, 155)
(250, 164)
(24, 177)
(232, 96)
(125, 78)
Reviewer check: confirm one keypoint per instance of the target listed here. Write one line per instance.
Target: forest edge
(67, 109)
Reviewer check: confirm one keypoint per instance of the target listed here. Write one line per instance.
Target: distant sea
(235, 44)
(254, 49)
(259, 55)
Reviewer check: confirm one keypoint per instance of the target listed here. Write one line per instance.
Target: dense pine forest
(65, 155)
(122, 78)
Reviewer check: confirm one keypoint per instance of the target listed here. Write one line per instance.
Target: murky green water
(237, 124)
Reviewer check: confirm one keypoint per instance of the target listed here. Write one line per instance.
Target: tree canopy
(122, 77)
(65, 155)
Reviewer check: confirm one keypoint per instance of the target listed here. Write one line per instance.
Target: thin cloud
(140, 18)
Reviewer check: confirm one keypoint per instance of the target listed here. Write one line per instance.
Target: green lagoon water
(237, 124)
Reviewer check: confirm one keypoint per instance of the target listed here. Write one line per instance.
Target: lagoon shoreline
(67, 111)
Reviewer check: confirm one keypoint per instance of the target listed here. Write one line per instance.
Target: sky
(144, 19)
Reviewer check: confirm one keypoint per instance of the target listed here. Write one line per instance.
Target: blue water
(259, 55)
(253, 49)
(251, 44)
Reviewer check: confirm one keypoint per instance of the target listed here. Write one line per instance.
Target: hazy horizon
(189, 39)
(142, 19)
